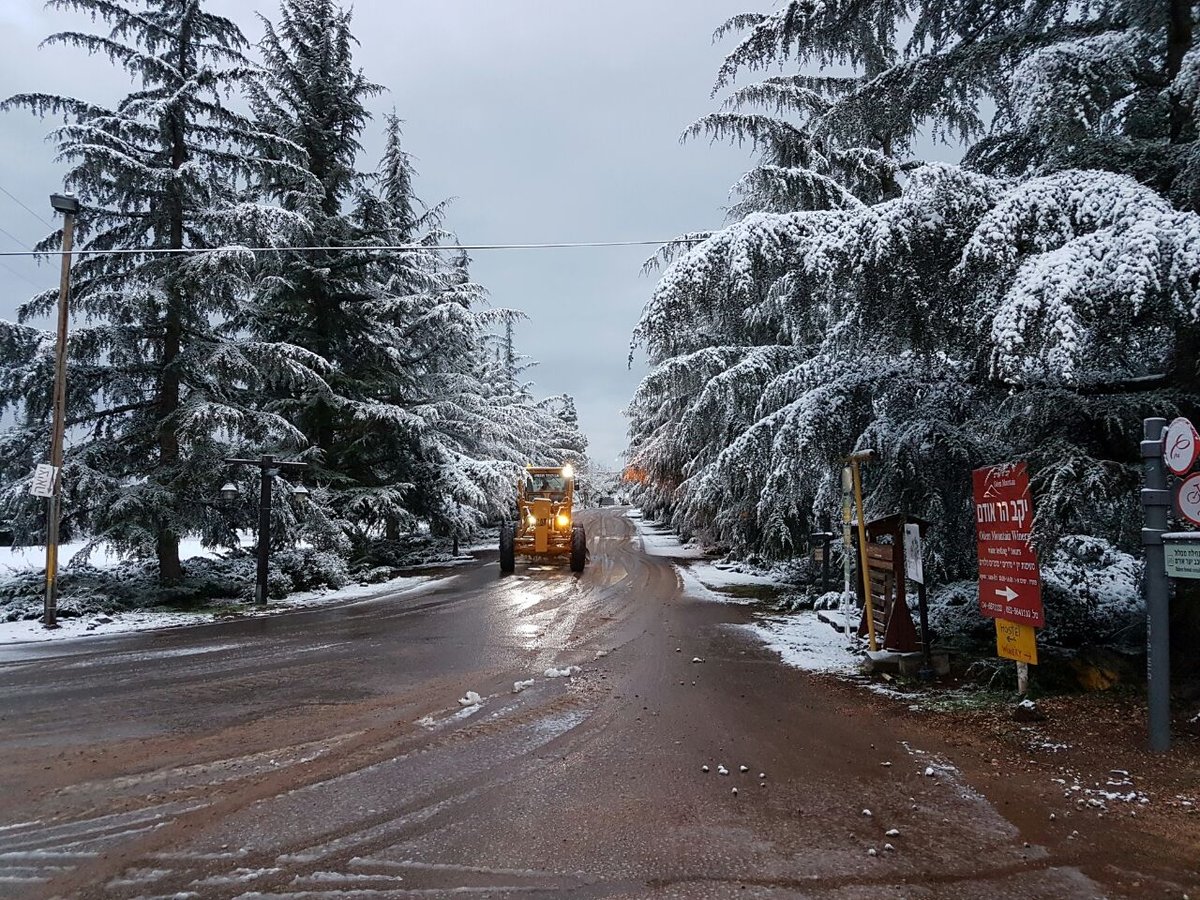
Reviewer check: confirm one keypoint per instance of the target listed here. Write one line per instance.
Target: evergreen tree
(960, 321)
(159, 382)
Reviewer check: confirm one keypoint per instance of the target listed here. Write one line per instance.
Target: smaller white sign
(1181, 446)
(1188, 498)
(914, 563)
(44, 477)
(1183, 556)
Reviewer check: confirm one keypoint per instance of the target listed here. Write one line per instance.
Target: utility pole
(268, 467)
(69, 207)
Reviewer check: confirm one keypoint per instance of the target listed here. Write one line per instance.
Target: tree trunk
(1179, 41)
(169, 567)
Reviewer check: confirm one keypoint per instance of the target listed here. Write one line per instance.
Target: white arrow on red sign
(1008, 593)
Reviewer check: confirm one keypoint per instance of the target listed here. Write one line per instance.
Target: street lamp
(69, 207)
(268, 467)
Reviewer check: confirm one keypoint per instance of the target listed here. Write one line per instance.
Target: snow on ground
(148, 620)
(804, 641)
(659, 540)
(704, 580)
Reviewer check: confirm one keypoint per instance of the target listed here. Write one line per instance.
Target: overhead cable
(399, 248)
(17, 200)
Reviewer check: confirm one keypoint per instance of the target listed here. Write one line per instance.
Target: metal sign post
(268, 467)
(914, 570)
(847, 549)
(1156, 507)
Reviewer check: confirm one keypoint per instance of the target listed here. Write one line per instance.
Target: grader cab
(545, 525)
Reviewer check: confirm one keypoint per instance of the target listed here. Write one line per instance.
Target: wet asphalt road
(324, 754)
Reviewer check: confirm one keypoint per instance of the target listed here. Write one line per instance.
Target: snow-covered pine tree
(313, 97)
(159, 384)
(965, 321)
(1113, 86)
(1109, 85)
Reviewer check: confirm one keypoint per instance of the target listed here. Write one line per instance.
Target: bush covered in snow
(307, 569)
(1090, 591)
(87, 590)
(403, 552)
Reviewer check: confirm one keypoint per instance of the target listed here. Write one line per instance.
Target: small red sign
(1010, 586)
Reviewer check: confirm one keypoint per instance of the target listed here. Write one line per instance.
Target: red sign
(1009, 584)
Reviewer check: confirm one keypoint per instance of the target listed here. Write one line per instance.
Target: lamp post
(69, 207)
(268, 467)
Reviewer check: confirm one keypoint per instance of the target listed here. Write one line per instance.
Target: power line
(451, 248)
(25, 278)
(16, 240)
(17, 200)
(20, 243)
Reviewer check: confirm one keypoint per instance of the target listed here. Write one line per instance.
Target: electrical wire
(20, 243)
(400, 248)
(17, 200)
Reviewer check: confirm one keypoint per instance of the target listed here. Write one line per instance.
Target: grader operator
(545, 519)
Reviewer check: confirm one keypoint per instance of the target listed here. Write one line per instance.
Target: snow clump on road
(562, 673)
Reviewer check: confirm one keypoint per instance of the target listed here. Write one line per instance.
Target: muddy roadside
(1076, 776)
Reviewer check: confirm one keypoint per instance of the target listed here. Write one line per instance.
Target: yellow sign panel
(1015, 640)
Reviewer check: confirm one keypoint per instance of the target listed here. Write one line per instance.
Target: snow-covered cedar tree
(967, 321)
(160, 385)
(826, 140)
(1108, 85)
(949, 319)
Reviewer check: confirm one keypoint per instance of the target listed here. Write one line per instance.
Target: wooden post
(862, 554)
(69, 207)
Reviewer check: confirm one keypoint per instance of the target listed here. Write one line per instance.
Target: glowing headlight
(562, 520)
(531, 519)
(568, 471)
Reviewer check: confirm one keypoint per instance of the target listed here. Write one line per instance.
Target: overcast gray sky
(548, 120)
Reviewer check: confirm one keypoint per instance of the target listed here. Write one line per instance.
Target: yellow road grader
(545, 524)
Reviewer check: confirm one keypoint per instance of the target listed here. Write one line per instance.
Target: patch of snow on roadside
(562, 673)
(31, 630)
(1117, 788)
(718, 575)
(804, 641)
(659, 540)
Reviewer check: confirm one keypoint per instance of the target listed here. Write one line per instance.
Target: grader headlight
(531, 520)
(562, 520)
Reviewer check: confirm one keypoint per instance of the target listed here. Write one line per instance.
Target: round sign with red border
(1188, 498)
(1181, 446)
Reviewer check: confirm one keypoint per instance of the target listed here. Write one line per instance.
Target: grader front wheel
(508, 561)
(578, 549)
